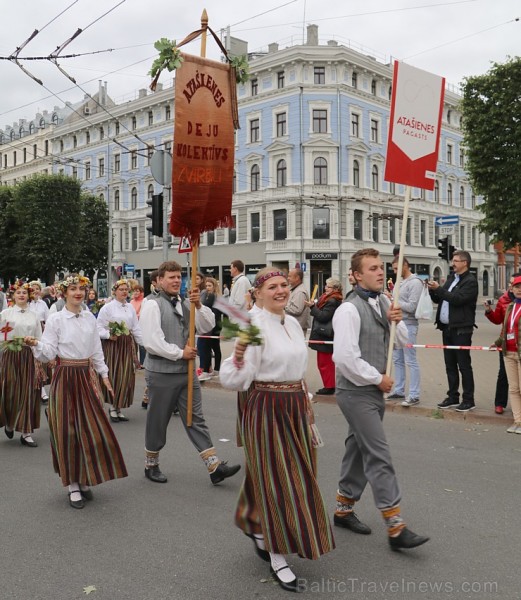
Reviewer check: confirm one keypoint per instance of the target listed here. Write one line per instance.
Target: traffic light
(156, 215)
(443, 247)
(452, 249)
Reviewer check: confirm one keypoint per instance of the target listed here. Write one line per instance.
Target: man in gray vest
(164, 320)
(360, 349)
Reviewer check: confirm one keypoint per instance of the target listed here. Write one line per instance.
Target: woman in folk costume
(119, 331)
(40, 308)
(280, 505)
(84, 448)
(19, 384)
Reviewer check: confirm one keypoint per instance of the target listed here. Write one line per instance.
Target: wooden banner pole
(195, 263)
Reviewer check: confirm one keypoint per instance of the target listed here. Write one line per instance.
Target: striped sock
(344, 505)
(210, 459)
(393, 520)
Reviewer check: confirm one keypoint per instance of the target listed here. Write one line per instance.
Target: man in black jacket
(456, 319)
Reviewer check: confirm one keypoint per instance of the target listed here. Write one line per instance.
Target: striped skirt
(84, 447)
(280, 497)
(120, 358)
(19, 391)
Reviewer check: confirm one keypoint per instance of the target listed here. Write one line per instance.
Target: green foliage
(249, 336)
(14, 345)
(169, 57)
(242, 68)
(491, 109)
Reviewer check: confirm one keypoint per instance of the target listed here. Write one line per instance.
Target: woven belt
(71, 362)
(278, 386)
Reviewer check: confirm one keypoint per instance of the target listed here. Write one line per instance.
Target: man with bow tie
(165, 321)
(360, 347)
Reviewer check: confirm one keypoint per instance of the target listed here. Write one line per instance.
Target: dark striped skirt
(120, 358)
(19, 391)
(280, 497)
(84, 447)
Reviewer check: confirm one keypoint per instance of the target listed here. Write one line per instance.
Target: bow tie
(174, 300)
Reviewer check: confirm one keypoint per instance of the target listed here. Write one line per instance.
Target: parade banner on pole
(203, 149)
(415, 125)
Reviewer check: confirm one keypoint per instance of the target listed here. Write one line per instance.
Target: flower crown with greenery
(73, 280)
(21, 284)
(120, 282)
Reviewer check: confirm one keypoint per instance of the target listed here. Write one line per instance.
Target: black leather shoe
(448, 403)
(25, 442)
(154, 474)
(9, 434)
(261, 553)
(113, 414)
(121, 417)
(223, 471)
(144, 404)
(76, 503)
(407, 539)
(290, 586)
(87, 494)
(325, 392)
(352, 522)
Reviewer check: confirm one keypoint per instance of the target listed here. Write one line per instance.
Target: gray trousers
(367, 457)
(167, 391)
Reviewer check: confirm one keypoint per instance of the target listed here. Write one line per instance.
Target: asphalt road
(138, 540)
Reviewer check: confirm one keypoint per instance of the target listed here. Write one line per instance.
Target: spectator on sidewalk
(298, 297)
(410, 291)
(456, 318)
(240, 285)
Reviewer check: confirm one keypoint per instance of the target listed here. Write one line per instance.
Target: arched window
(356, 173)
(150, 191)
(255, 178)
(31, 128)
(281, 173)
(320, 171)
(116, 199)
(54, 118)
(437, 192)
(449, 193)
(21, 131)
(42, 123)
(374, 178)
(12, 134)
(462, 196)
(133, 198)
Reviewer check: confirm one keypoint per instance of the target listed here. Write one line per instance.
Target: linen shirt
(241, 284)
(40, 309)
(283, 355)
(119, 311)
(72, 336)
(23, 321)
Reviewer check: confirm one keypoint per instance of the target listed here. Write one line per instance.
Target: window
(462, 243)
(5, 161)
(356, 173)
(320, 171)
(133, 159)
(234, 185)
(354, 80)
(449, 153)
(168, 147)
(319, 75)
(87, 137)
(101, 167)
(448, 116)
(25, 155)
(254, 130)
(133, 198)
(374, 178)
(319, 121)
(210, 238)
(376, 228)
(61, 146)
(31, 128)
(168, 112)
(408, 232)
(150, 117)
(134, 123)
(462, 157)
(281, 173)
(374, 130)
(474, 234)
(150, 152)
(373, 87)
(281, 124)
(46, 147)
(392, 230)
(392, 187)
(255, 227)
(473, 201)
(14, 158)
(355, 125)
(423, 236)
(255, 178)
(280, 80)
(150, 240)
(390, 92)
(422, 194)
(35, 151)
(462, 196)
(232, 232)
(254, 87)
(117, 127)
(134, 238)
(150, 192)
(437, 192)
(449, 193)
(117, 163)
(101, 133)
(358, 224)
(280, 224)
(116, 199)
(321, 223)
(74, 141)
(87, 170)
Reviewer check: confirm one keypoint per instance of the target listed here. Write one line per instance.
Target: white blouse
(23, 321)
(119, 311)
(72, 336)
(40, 309)
(283, 355)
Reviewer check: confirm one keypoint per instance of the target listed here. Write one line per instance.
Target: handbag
(424, 310)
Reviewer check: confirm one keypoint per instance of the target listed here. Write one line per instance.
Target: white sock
(281, 568)
(27, 436)
(44, 393)
(84, 488)
(74, 490)
(259, 541)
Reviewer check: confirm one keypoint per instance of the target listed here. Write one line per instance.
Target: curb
(477, 416)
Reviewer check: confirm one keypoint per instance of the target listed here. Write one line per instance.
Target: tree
(8, 259)
(491, 109)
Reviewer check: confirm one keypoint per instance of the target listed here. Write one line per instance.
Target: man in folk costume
(360, 349)
(165, 326)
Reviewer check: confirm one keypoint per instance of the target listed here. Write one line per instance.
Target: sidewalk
(434, 380)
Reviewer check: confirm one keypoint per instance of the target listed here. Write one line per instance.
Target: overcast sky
(453, 38)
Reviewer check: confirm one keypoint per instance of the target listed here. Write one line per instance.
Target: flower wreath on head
(21, 284)
(36, 282)
(73, 280)
(120, 282)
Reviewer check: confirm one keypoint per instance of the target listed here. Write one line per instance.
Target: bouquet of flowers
(118, 329)
(248, 336)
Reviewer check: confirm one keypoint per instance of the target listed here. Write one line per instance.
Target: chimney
(274, 47)
(312, 39)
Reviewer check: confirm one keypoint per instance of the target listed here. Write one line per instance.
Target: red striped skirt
(120, 358)
(280, 497)
(85, 450)
(19, 391)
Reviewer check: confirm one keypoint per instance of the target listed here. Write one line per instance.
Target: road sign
(446, 220)
(161, 167)
(184, 246)
(447, 230)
